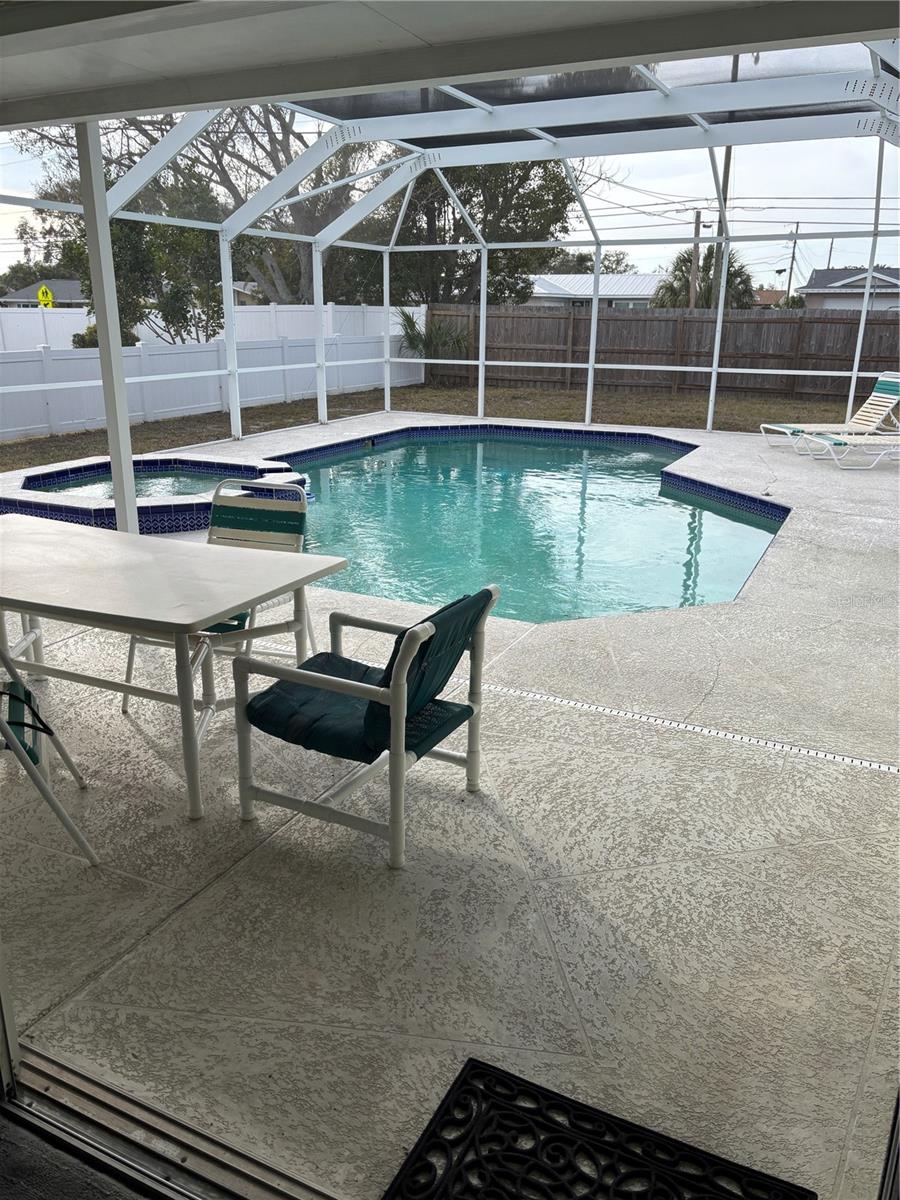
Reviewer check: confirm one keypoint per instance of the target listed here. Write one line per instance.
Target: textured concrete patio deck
(694, 932)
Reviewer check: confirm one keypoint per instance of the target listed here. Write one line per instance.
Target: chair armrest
(243, 667)
(337, 621)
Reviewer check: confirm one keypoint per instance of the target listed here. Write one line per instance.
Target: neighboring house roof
(825, 280)
(631, 286)
(246, 286)
(65, 291)
(769, 295)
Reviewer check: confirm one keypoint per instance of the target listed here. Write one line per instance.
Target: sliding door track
(140, 1144)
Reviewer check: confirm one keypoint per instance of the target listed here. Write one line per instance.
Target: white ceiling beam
(460, 207)
(330, 187)
(401, 214)
(579, 196)
(888, 49)
(276, 189)
(472, 101)
(650, 141)
(373, 200)
(169, 146)
(720, 195)
(827, 88)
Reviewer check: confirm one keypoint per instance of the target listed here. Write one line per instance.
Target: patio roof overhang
(830, 71)
(89, 61)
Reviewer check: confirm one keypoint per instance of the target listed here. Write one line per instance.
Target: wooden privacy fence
(792, 340)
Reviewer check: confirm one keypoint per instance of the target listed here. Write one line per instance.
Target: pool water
(150, 484)
(565, 531)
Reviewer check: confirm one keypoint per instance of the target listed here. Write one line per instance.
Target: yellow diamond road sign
(45, 296)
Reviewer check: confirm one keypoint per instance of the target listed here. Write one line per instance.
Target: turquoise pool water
(158, 484)
(565, 531)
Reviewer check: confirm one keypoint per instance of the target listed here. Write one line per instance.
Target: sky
(822, 185)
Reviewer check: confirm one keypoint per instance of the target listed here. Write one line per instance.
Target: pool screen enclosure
(811, 93)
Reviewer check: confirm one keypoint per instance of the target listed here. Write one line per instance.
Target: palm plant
(674, 292)
(438, 339)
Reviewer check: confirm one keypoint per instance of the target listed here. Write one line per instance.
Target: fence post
(284, 374)
(482, 329)
(321, 317)
(48, 396)
(386, 331)
(798, 346)
(679, 350)
(592, 340)
(570, 342)
(861, 331)
(144, 352)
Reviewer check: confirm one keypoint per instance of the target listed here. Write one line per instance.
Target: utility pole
(695, 262)
(787, 298)
(830, 252)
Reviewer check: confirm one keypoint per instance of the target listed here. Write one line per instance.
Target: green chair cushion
(334, 724)
(22, 715)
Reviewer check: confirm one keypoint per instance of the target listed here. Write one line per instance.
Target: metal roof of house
(827, 279)
(631, 286)
(65, 291)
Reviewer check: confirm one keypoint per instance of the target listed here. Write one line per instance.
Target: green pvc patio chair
(379, 717)
(25, 733)
(241, 519)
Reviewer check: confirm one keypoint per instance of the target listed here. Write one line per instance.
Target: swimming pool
(566, 530)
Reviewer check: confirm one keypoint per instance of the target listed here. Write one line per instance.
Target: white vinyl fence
(64, 392)
(31, 328)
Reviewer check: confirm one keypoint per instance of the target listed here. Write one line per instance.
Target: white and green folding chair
(25, 733)
(256, 522)
(869, 418)
(378, 717)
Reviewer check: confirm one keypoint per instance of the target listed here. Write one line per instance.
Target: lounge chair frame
(869, 418)
(396, 760)
(853, 452)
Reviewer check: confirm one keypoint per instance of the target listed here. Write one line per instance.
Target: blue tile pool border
(148, 465)
(187, 515)
(154, 516)
(739, 502)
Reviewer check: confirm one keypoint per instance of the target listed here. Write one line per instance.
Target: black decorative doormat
(496, 1136)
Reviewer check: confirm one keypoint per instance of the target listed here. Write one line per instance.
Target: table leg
(300, 618)
(189, 743)
(37, 646)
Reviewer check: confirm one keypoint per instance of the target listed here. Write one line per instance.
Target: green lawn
(686, 411)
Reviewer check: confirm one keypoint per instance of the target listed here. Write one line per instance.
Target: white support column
(321, 317)
(717, 343)
(106, 311)
(229, 334)
(861, 331)
(386, 297)
(482, 329)
(592, 342)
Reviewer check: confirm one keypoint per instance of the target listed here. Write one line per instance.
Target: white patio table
(162, 587)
